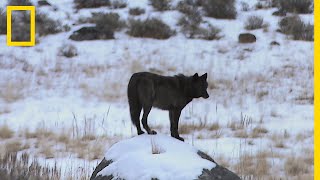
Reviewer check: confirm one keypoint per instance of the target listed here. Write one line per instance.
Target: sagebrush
(221, 9)
(150, 28)
(294, 27)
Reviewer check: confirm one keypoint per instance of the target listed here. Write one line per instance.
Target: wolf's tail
(133, 99)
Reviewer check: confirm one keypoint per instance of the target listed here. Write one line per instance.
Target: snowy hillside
(258, 121)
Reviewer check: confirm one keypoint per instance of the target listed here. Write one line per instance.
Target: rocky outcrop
(247, 38)
(90, 33)
(161, 161)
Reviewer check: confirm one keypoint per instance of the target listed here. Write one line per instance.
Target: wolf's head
(200, 86)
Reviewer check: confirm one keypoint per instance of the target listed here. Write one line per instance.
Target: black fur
(172, 93)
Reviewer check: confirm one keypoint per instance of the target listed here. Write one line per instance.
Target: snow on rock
(158, 157)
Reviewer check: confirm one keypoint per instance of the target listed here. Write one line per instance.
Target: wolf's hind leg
(146, 111)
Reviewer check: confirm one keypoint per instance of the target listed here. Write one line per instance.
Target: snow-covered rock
(158, 157)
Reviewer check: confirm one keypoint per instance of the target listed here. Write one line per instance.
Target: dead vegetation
(5, 132)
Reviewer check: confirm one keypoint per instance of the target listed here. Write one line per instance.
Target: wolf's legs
(146, 111)
(135, 115)
(174, 116)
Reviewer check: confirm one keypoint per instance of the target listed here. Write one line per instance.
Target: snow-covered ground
(261, 96)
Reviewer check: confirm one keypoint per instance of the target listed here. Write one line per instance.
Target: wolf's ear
(195, 76)
(205, 76)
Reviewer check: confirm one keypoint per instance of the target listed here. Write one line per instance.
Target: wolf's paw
(180, 138)
(140, 132)
(153, 132)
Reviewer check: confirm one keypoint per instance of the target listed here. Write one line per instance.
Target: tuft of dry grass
(258, 131)
(5, 132)
(295, 166)
(46, 150)
(155, 148)
(22, 167)
(13, 146)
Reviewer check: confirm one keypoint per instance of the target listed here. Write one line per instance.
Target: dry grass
(253, 166)
(5, 132)
(295, 166)
(258, 132)
(22, 167)
(13, 146)
(12, 91)
(155, 148)
(47, 150)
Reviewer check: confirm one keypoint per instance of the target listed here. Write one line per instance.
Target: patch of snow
(133, 159)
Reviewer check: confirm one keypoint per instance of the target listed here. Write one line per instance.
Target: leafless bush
(136, 11)
(296, 6)
(190, 22)
(150, 28)
(160, 5)
(221, 9)
(187, 6)
(20, 26)
(3, 22)
(91, 3)
(190, 26)
(46, 25)
(107, 23)
(117, 4)
(245, 6)
(19, 3)
(296, 28)
(254, 22)
(68, 50)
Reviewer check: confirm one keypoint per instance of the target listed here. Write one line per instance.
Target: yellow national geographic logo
(32, 10)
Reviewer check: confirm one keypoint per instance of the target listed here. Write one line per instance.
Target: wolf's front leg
(174, 116)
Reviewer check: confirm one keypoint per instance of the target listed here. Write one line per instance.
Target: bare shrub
(150, 28)
(20, 26)
(187, 6)
(117, 4)
(3, 21)
(221, 9)
(190, 22)
(19, 3)
(107, 24)
(91, 3)
(160, 5)
(254, 22)
(245, 6)
(68, 50)
(296, 6)
(296, 28)
(46, 25)
(136, 11)
(190, 25)
(5, 132)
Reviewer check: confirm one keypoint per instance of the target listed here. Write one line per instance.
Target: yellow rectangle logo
(32, 10)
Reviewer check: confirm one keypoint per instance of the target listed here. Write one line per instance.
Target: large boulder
(247, 38)
(91, 33)
(160, 157)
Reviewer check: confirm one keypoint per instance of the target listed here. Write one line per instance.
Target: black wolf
(172, 93)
